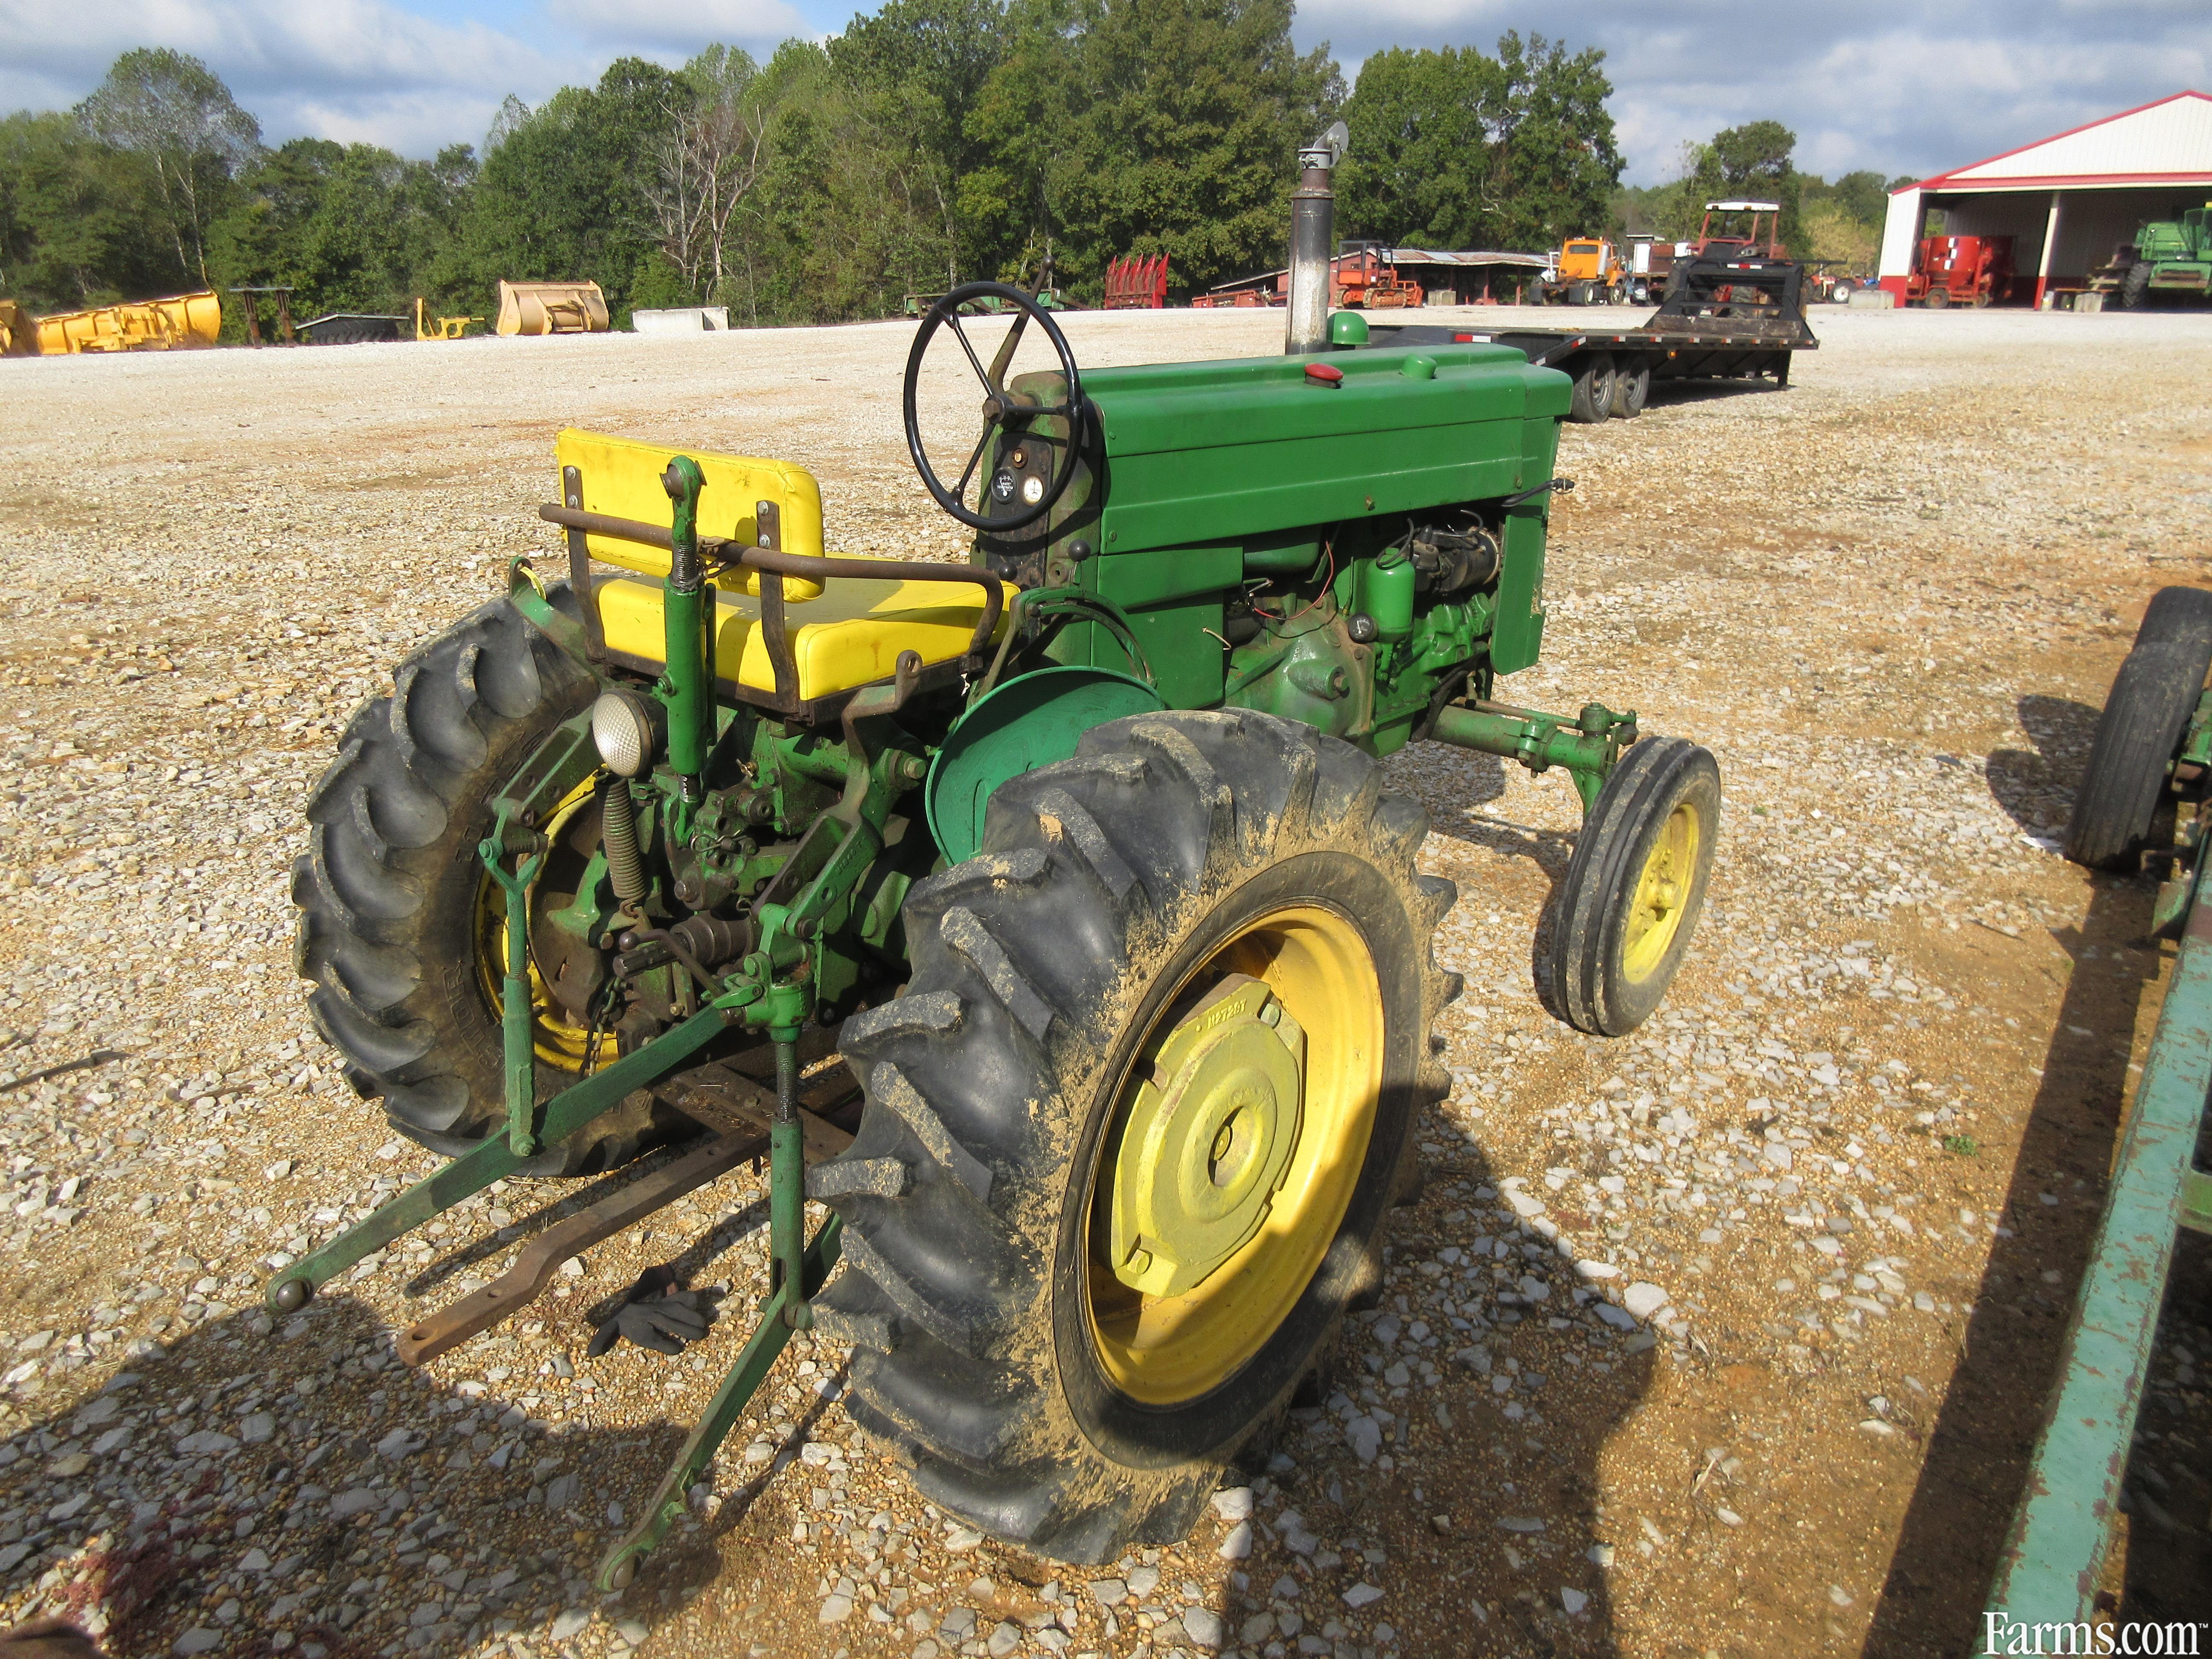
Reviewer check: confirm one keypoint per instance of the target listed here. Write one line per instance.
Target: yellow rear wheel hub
(1662, 892)
(1238, 1138)
(556, 1036)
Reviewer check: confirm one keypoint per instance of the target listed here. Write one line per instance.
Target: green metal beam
(620, 1565)
(492, 1159)
(2055, 1551)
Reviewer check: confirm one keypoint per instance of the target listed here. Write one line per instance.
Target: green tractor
(2168, 256)
(1044, 917)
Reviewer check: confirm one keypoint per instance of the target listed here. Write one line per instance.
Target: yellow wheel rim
(1244, 1156)
(1662, 893)
(557, 1039)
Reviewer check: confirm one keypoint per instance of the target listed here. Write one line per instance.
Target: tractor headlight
(626, 731)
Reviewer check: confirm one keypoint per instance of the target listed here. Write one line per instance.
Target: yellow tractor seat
(842, 638)
(848, 636)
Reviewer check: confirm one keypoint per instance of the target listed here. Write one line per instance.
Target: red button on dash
(1324, 373)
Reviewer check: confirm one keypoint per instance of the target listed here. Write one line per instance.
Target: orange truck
(1586, 272)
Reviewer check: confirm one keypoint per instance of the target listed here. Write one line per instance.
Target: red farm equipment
(1962, 270)
(1365, 277)
(1139, 283)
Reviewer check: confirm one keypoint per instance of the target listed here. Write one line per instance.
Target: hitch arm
(491, 1160)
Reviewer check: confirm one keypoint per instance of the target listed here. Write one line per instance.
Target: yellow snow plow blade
(18, 335)
(551, 308)
(181, 320)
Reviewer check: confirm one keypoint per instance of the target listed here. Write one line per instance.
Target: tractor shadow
(347, 1491)
(1481, 1513)
(352, 1501)
(1979, 1449)
(2036, 786)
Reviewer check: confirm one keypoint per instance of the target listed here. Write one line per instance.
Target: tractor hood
(1211, 452)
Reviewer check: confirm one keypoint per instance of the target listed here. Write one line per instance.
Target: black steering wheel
(999, 406)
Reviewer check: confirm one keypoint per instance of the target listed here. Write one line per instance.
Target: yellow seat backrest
(621, 477)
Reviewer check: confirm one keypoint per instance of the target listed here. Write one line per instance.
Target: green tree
(347, 227)
(853, 208)
(561, 194)
(707, 162)
(1753, 161)
(1149, 126)
(1418, 165)
(1454, 148)
(1863, 196)
(74, 214)
(933, 59)
(173, 111)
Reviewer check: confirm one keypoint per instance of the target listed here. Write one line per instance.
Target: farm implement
(1043, 917)
(2141, 804)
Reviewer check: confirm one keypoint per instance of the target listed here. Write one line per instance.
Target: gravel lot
(1727, 1338)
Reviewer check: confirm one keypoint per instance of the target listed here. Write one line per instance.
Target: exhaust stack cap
(1331, 147)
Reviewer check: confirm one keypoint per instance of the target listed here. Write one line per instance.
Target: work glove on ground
(653, 1314)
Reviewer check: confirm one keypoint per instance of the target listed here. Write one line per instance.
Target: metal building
(2068, 201)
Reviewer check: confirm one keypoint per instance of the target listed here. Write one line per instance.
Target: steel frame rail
(2061, 1533)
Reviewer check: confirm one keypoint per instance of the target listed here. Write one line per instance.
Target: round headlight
(625, 732)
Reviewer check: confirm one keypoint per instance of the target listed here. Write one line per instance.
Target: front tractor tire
(401, 929)
(1635, 887)
(1135, 1126)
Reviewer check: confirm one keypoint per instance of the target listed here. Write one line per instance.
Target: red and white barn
(2066, 202)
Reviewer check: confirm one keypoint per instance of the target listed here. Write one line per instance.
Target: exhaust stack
(1313, 240)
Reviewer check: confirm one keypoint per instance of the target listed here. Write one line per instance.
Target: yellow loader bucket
(18, 335)
(552, 309)
(181, 320)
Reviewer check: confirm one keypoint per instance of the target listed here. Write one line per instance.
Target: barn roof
(2168, 142)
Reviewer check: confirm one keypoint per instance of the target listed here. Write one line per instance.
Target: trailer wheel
(1635, 886)
(1632, 387)
(2146, 715)
(1937, 299)
(1135, 1126)
(1594, 376)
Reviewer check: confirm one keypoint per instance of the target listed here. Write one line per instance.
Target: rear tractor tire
(400, 928)
(2144, 720)
(1135, 1126)
(1635, 888)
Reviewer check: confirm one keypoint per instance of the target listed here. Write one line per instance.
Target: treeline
(1821, 220)
(932, 142)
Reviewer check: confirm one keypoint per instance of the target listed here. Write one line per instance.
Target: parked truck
(1587, 271)
(1650, 263)
(1729, 313)
(2168, 256)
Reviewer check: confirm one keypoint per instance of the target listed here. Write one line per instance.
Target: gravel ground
(1730, 1338)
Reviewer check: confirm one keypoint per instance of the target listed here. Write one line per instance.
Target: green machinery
(1044, 916)
(2168, 256)
(2141, 803)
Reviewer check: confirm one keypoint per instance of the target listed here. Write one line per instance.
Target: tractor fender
(1033, 720)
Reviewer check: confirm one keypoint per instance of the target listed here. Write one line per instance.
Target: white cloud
(1862, 86)
(684, 26)
(1947, 83)
(352, 69)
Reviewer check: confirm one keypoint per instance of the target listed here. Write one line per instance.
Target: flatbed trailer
(1728, 315)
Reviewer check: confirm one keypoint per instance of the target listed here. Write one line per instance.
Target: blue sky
(1896, 89)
